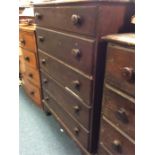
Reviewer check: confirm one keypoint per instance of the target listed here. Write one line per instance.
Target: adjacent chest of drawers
(71, 61)
(117, 131)
(29, 63)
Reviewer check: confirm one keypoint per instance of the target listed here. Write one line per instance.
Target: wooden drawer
(74, 128)
(68, 102)
(33, 76)
(27, 40)
(30, 58)
(115, 142)
(69, 78)
(75, 51)
(74, 19)
(120, 110)
(120, 68)
(33, 91)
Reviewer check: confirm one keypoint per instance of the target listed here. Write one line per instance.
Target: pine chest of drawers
(71, 64)
(117, 131)
(29, 63)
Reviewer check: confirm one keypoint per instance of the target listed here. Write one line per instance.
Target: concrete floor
(40, 134)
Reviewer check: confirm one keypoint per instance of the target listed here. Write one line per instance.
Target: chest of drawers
(117, 131)
(29, 63)
(71, 61)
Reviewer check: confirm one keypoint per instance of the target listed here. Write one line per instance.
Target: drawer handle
(43, 61)
(76, 131)
(122, 116)
(45, 81)
(76, 84)
(38, 15)
(22, 41)
(32, 93)
(117, 146)
(27, 58)
(41, 38)
(128, 74)
(76, 19)
(76, 108)
(76, 53)
(31, 75)
(46, 98)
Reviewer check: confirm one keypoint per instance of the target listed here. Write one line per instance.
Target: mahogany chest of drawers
(29, 63)
(71, 61)
(117, 131)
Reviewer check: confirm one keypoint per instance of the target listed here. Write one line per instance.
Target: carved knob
(32, 93)
(41, 38)
(76, 53)
(76, 108)
(76, 131)
(76, 84)
(22, 41)
(38, 15)
(128, 74)
(27, 58)
(45, 81)
(117, 146)
(43, 61)
(31, 75)
(122, 116)
(75, 19)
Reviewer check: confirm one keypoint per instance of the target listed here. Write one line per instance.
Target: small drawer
(67, 101)
(27, 40)
(120, 111)
(73, 50)
(115, 142)
(33, 76)
(32, 91)
(79, 84)
(120, 68)
(29, 58)
(74, 19)
(74, 129)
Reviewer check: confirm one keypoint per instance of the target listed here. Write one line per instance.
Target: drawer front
(29, 59)
(74, 19)
(79, 84)
(70, 124)
(27, 40)
(114, 141)
(120, 111)
(33, 76)
(68, 102)
(75, 51)
(120, 68)
(32, 91)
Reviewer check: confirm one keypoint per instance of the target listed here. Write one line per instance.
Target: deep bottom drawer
(74, 128)
(114, 141)
(32, 91)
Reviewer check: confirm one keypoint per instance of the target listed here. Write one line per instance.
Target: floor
(40, 134)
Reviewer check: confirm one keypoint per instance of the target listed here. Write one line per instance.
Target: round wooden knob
(45, 81)
(32, 93)
(76, 84)
(27, 58)
(122, 115)
(76, 20)
(76, 131)
(117, 146)
(43, 61)
(128, 74)
(41, 38)
(76, 108)
(76, 53)
(22, 41)
(38, 15)
(46, 98)
(31, 75)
